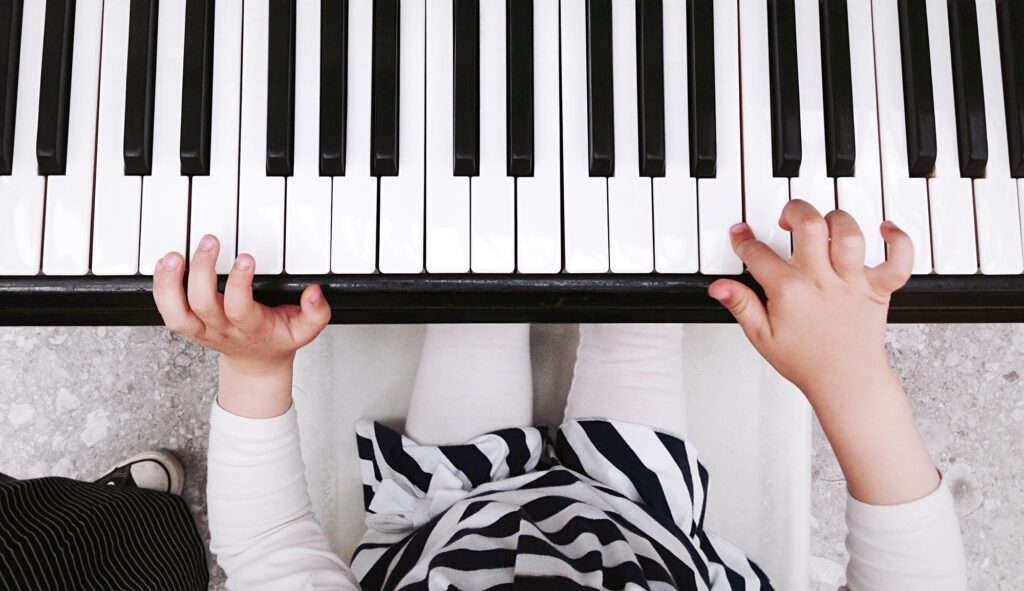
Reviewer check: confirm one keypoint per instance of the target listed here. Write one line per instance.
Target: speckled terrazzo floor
(74, 400)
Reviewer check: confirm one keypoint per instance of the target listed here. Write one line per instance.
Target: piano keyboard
(503, 136)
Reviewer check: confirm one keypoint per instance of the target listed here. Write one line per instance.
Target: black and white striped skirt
(606, 505)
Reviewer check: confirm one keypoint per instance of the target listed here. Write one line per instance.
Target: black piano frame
(398, 299)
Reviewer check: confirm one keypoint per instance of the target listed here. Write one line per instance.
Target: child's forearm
(871, 427)
(262, 527)
(255, 395)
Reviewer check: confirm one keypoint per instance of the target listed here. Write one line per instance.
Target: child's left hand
(256, 340)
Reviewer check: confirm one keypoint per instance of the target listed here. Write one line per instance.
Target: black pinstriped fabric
(57, 533)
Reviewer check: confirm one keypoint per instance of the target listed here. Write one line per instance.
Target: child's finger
(764, 264)
(203, 296)
(745, 306)
(313, 316)
(239, 305)
(846, 247)
(894, 272)
(169, 295)
(810, 235)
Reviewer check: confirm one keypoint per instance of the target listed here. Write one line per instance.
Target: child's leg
(632, 373)
(472, 379)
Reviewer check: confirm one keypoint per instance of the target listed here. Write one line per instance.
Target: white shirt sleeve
(912, 546)
(262, 527)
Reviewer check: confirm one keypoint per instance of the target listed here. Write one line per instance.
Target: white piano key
(765, 194)
(118, 198)
(630, 215)
(675, 194)
(21, 226)
(448, 238)
(354, 212)
(539, 198)
(493, 211)
(69, 197)
(215, 197)
(950, 196)
(813, 184)
(905, 199)
(996, 207)
(260, 197)
(1020, 197)
(861, 194)
(584, 198)
(354, 220)
(719, 200)
(401, 197)
(308, 220)
(165, 192)
(308, 248)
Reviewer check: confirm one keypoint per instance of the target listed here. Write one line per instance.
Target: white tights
(474, 379)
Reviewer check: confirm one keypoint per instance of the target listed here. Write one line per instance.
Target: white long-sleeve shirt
(265, 535)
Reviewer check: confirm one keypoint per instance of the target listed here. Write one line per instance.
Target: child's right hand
(255, 340)
(824, 330)
(826, 314)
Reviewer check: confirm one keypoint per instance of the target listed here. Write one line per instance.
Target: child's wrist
(255, 390)
(854, 380)
(256, 368)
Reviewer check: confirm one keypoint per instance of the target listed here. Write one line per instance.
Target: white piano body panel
(751, 427)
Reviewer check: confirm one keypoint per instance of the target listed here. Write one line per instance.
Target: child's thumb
(745, 307)
(314, 316)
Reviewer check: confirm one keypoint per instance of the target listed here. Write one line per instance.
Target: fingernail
(889, 225)
(170, 262)
(721, 294)
(316, 296)
(243, 262)
(738, 229)
(206, 243)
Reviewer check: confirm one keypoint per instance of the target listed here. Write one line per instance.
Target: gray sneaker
(155, 469)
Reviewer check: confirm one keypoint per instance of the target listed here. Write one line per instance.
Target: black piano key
(10, 53)
(333, 85)
(197, 88)
(837, 89)
(55, 87)
(600, 107)
(140, 88)
(281, 88)
(650, 72)
(1010, 14)
(466, 98)
(968, 90)
(784, 86)
(519, 87)
(384, 94)
(700, 74)
(918, 101)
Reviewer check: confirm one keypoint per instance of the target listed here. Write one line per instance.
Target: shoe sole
(167, 459)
